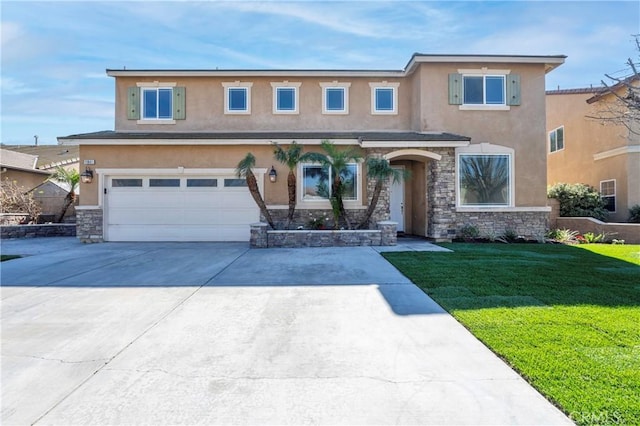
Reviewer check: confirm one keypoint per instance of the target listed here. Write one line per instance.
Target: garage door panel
(180, 213)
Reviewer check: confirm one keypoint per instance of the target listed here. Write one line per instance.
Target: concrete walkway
(186, 333)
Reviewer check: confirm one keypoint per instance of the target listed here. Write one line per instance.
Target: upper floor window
(484, 89)
(384, 98)
(237, 98)
(316, 182)
(335, 98)
(556, 139)
(157, 103)
(285, 97)
(608, 194)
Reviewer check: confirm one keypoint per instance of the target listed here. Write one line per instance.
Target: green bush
(469, 232)
(578, 200)
(634, 214)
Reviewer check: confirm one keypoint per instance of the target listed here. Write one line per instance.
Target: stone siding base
(529, 224)
(89, 225)
(305, 217)
(385, 235)
(36, 231)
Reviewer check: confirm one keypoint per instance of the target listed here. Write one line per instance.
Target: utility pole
(36, 138)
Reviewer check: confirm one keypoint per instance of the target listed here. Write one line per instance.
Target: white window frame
(296, 96)
(155, 85)
(324, 203)
(384, 85)
(555, 131)
(615, 198)
(486, 149)
(485, 72)
(237, 85)
(345, 97)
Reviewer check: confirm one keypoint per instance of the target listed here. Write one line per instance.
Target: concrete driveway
(206, 333)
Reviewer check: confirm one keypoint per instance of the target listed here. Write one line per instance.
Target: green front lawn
(567, 318)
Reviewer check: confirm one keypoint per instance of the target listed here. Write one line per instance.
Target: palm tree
(71, 178)
(380, 169)
(244, 169)
(291, 157)
(338, 161)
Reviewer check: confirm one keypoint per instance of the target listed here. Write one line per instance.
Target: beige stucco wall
(189, 156)
(584, 137)
(27, 180)
(205, 107)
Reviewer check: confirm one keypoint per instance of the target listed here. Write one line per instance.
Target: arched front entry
(408, 201)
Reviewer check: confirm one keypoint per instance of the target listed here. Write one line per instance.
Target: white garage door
(178, 208)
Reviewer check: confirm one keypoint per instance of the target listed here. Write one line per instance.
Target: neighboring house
(21, 169)
(42, 161)
(584, 150)
(469, 128)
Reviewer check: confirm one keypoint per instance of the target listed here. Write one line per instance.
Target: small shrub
(617, 242)
(634, 214)
(591, 238)
(578, 200)
(563, 235)
(510, 235)
(469, 232)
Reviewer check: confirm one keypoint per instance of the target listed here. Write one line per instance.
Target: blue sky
(54, 53)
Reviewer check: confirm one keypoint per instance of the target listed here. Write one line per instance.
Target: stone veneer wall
(42, 230)
(531, 225)
(441, 196)
(302, 217)
(89, 225)
(262, 237)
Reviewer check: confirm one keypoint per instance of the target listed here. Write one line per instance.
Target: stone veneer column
(258, 237)
(441, 196)
(389, 233)
(382, 212)
(89, 225)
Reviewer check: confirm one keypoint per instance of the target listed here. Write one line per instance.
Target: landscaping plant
(71, 178)
(380, 169)
(244, 169)
(14, 199)
(634, 214)
(578, 200)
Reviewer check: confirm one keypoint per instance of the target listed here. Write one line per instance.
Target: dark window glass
(484, 180)
(495, 90)
(122, 183)
(384, 99)
(157, 183)
(473, 90)
(237, 99)
(335, 99)
(235, 182)
(286, 98)
(195, 183)
(165, 103)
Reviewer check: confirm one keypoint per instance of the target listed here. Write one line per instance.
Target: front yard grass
(567, 318)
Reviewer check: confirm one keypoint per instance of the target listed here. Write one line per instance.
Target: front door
(397, 203)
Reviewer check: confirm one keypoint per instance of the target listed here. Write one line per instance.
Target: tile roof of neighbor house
(627, 81)
(49, 156)
(577, 91)
(18, 161)
(362, 136)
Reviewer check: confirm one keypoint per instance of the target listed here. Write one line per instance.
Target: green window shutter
(455, 89)
(179, 103)
(513, 89)
(133, 103)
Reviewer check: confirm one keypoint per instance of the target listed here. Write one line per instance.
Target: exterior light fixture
(86, 176)
(273, 175)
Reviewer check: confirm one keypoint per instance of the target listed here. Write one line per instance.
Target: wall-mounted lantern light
(87, 175)
(273, 175)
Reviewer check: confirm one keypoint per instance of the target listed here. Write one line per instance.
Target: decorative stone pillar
(389, 233)
(258, 237)
(441, 193)
(89, 224)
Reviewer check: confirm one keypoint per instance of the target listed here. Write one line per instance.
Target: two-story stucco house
(601, 154)
(470, 129)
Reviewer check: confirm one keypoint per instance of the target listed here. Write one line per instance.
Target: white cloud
(11, 86)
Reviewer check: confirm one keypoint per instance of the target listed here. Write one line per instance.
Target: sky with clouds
(54, 53)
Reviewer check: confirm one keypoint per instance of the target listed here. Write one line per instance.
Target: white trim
(384, 85)
(631, 149)
(483, 71)
(345, 90)
(156, 84)
(173, 171)
(88, 207)
(323, 203)
(485, 148)
(117, 142)
(615, 191)
(460, 209)
(412, 152)
(257, 73)
(484, 107)
(240, 85)
(413, 144)
(156, 121)
(296, 96)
